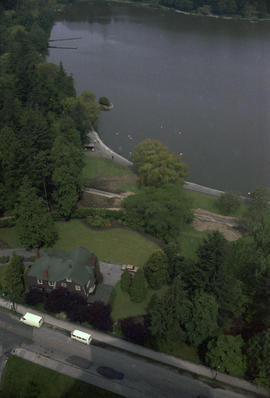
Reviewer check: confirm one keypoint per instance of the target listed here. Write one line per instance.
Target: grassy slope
(99, 167)
(116, 245)
(9, 236)
(123, 307)
(19, 373)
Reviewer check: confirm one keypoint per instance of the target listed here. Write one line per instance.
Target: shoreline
(102, 150)
(235, 17)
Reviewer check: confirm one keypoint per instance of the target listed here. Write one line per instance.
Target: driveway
(111, 273)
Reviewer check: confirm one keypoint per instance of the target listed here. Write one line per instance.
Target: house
(74, 270)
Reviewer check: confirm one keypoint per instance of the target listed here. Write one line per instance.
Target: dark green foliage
(225, 354)
(4, 259)
(134, 330)
(228, 202)
(156, 166)
(176, 262)
(99, 316)
(34, 224)
(13, 281)
(257, 212)
(137, 289)
(160, 212)
(258, 355)
(34, 296)
(156, 270)
(104, 101)
(125, 281)
(202, 321)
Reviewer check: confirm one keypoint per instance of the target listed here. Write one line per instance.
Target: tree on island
(156, 165)
(34, 224)
(104, 101)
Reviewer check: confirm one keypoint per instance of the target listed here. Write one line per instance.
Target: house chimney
(45, 274)
(70, 266)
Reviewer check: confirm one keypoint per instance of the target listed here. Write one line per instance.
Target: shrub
(57, 300)
(228, 202)
(4, 259)
(134, 330)
(78, 313)
(99, 316)
(104, 101)
(34, 296)
(8, 222)
(98, 221)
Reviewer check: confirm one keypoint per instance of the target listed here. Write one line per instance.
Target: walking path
(102, 150)
(144, 352)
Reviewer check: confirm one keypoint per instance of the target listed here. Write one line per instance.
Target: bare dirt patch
(207, 221)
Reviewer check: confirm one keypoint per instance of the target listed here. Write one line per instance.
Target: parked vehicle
(110, 373)
(83, 337)
(129, 267)
(32, 320)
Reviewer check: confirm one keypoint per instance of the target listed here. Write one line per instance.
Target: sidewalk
(145, 352)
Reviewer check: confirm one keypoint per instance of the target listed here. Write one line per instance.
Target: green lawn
(9, 236)
(116, 245)
(208, 202)
(100, 167)
(189, 241)
(23, 379)
(129, 188)
(123, 307)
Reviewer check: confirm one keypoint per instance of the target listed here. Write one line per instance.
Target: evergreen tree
(202, 322)
(125, 281)
(156, 270)
(13, 282)
(34, 224)
(137, 289)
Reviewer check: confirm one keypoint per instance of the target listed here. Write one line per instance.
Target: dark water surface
(200, 85)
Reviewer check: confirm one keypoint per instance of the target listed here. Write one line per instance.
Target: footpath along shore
(103, 151)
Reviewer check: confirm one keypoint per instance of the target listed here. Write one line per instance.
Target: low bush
(34, 296)
(134, 330)
(4, 259)
(228, 202)
(8, 222)
(99, 316)
(98, 222)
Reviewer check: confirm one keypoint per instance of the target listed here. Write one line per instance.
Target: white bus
(32, 320)
(81, 336)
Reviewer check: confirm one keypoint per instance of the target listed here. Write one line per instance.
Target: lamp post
(217, 369)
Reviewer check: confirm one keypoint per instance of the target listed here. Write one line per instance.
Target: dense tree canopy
(156, 166)
(13, 283)
(156, 270)
(160, 212)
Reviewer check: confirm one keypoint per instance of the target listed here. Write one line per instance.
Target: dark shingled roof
(60, 265)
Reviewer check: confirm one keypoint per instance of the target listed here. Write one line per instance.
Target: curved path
(102, 150)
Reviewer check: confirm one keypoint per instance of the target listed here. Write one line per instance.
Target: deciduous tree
(225, 354)
(137, 289)
(13, 283)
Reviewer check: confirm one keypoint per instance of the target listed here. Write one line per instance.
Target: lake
(200, 85)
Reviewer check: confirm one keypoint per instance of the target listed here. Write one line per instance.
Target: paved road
(55, 349)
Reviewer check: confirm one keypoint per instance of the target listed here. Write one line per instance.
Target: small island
(105, 104)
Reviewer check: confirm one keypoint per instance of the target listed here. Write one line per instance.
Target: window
(51, 283)
(63, 284)
(68, 280)
(40, 282)
(77, 287)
